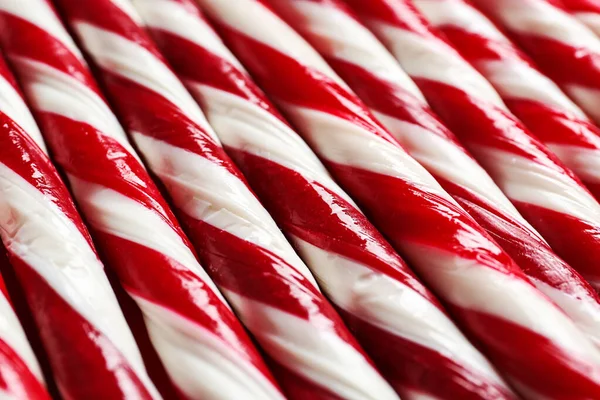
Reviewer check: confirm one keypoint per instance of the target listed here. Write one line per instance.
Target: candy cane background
(409, 206)
(373, 73)
(545, 192)
(564, 48)
(586, 11)
(412, 342)
(76, 312)
(184, 313)
(21, 376)
(532, 97)
(273, 292)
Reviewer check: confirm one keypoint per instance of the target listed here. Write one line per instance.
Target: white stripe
(245, 126)
(175, 18)
(516, 79)
(53, 91)
(132, 61)
(199, 362)
(585, 162)
(39, 13)
(446, 160)
(480, 288)
(255, 20)
(590, 19)
(12, 104)
(312, 350)
(341, 141)
(530, 182)
(36, 230)
(113, 213)
(431, 59)
(459, 14)
(208, 192)
(543, 19)
(391, 306)
(126, 7)
(349, 40)
(11, 332)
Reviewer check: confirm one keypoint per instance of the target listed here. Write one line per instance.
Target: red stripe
(532, 255)
(390, 98)
(532, 359)
(86, 364)
(477, 123)
(313, 213)
(213, 71)
(415, 367)
(309, 88)
(145, 111)
(106, 15)
(15, 377)
(21, 154)
(74, 144)
(21, 38)
(583, 5)
(168, 284)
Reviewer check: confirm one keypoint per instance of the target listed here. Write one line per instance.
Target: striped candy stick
(448, 249)
(193, 330)
(586, 11)
(372, 72)
(412, 342)
(546, 193)
(532, 97)
(76, 312)
(312, 353)
(20, 375)
(548, 33)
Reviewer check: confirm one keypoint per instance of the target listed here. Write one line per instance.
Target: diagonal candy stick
(545, 192)
(564, 48)
(372, 72)
(586, 11)
(204, 348)
(525, 334)
(532, 97)
(76, 312)
(311, 351)
(396, 319)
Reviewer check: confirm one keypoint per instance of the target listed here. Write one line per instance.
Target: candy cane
(413, 343)
(545, 192)
(372, 72)
(408, 205)
(250, 260)
(532, 97)
(564, 48)
(586, 11)
(20, 375)
(90, 347)
(184, 313)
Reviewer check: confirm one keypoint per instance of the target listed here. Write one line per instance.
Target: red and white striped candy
(273, 292)
(545, 192)
(90, 347)
(586, 11)
(564, 48)
(364, 63)
(412, 341)
(548, 113)
(20, 375)
(524, 333)
(193, 330)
